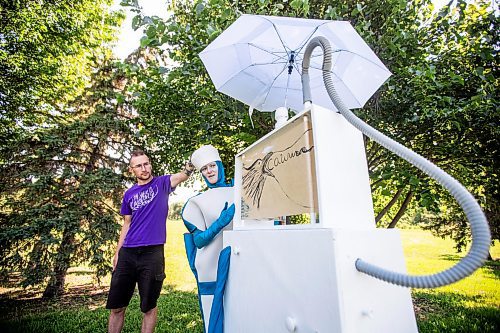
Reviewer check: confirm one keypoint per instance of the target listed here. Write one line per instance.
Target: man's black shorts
(144, 265)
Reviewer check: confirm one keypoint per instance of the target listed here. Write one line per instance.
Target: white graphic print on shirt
(143, 198)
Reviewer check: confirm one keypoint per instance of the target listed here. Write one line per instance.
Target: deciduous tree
(65, 128)
(442, 100)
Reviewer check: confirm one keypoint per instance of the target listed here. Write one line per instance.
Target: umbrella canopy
(258, 61)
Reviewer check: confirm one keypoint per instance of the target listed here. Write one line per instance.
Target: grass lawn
(471, 305)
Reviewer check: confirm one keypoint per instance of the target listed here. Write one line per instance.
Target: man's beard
(141, 177)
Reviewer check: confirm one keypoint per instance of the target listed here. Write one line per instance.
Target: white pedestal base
(305, 281)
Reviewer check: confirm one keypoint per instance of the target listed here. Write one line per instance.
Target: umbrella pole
(281, 114)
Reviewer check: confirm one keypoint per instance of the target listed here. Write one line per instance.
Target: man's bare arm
(179, 177)
(127, 219)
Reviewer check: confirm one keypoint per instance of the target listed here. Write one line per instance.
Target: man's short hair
(135, 153)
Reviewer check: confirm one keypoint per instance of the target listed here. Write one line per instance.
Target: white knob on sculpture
(281, 116)
(291, 324)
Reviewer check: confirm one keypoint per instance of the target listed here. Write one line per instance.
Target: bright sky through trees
(129, 39)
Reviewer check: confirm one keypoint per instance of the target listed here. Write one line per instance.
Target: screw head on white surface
(367, 313)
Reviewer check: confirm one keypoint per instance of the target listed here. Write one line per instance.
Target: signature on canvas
(261, 169)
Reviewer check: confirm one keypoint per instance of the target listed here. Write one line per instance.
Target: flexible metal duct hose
(481, 236)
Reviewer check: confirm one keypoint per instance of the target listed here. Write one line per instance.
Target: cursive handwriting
(260, 170)
(284, 157)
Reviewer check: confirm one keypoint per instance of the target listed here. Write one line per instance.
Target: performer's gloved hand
(226, 215)
(188, 168)
(203, 238)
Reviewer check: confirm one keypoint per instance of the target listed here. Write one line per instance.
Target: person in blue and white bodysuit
(206, 215)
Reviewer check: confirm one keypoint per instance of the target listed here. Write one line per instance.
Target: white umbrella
(258, 61)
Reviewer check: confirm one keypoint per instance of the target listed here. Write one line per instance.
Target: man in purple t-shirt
(139, 255)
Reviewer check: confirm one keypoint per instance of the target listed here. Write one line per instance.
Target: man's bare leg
(149, 321)
(116, 320)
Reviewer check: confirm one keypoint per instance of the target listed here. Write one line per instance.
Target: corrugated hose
(481, 237)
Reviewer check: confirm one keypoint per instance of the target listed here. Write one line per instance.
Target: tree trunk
(389, 205)
(55, 287)
(401, 210)
(372, 154)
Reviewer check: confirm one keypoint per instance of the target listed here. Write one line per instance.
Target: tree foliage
(442, 100)
(61, 187)
(46, 50)
(67, 120)
(61, 163)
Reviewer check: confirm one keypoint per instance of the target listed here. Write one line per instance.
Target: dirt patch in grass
(20, 302)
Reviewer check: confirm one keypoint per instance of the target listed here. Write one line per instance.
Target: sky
(129, 39)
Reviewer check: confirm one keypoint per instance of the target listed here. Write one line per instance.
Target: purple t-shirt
(148, 205)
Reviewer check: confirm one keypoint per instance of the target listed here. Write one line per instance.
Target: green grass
(177, 268)
(471, 305)
(178, 313)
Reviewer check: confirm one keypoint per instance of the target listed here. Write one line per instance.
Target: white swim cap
(204, 155)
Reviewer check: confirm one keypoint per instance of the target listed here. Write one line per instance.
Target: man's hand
(115, 261)
(188, 168)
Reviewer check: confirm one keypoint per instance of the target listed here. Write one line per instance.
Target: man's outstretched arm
(179, 177)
